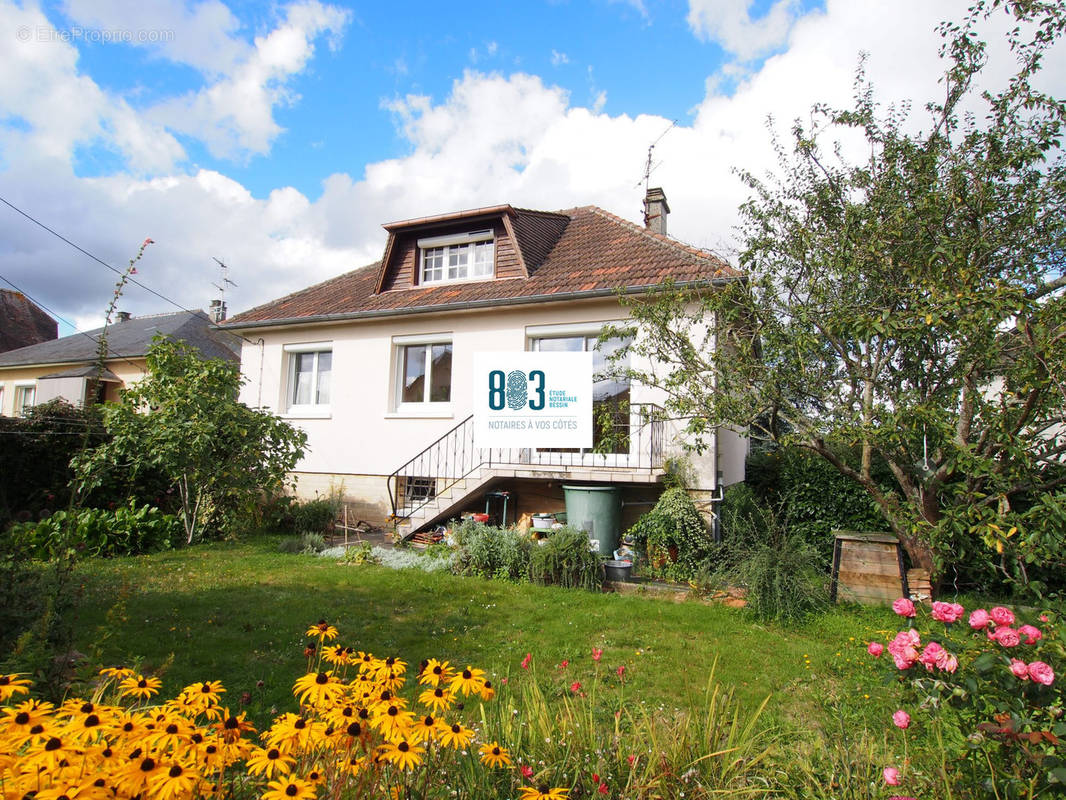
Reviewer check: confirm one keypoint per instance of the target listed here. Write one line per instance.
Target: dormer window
(461, 257)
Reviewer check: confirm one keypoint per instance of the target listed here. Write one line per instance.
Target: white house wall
(363, 435)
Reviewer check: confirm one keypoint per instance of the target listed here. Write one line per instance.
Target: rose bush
(993, 691)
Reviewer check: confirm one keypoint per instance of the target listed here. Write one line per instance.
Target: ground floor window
(610, 385)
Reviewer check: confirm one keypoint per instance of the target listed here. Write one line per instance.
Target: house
(376, 364)
(22, 322)
(67, 368)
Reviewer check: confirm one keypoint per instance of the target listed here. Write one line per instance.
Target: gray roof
(85, 371)
(131, 339)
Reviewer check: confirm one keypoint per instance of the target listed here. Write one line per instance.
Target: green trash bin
(597, 510)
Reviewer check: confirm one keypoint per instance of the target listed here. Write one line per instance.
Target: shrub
(313, 516)
(491, 552)
(785, 577)
(565, 559)
(674, 524)
(125, 531)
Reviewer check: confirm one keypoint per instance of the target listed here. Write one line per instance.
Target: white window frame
(449, 248)
(18, 409)
(312, 409)
(425, 408)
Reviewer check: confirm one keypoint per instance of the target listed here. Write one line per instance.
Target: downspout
(716, 502)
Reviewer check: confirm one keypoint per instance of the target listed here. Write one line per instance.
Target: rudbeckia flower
(492, 755)
(436, 673)
(542, 793)
(172, 782)
(392, 721)
(424, 729)
(318, 688)
(269, 762)
(469, 681)
(323, 630)
(139, 686)
(439, 699)
(12, 684)
(289, 789)
(401, 754)
(456, 736)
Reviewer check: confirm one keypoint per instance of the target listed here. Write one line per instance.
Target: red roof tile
(581, 250)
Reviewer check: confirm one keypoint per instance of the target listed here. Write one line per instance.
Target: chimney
(655, 211)
(218, 310)
(122, 316)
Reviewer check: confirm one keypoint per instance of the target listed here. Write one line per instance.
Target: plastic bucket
(597, 510)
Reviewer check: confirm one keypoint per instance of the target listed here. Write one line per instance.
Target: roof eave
(470, 305)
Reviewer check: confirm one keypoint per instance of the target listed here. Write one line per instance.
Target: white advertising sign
(532, 399)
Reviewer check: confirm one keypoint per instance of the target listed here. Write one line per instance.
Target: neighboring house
(66, 368)
(22, 322)
(376, 364)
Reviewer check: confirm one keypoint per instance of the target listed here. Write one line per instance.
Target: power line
(88, 336)
(82, 250)
(116, 270)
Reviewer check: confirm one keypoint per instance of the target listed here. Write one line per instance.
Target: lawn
(237, 612)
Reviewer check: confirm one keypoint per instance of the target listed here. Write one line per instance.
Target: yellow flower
(139, 686)
(269, 762)
(173, 782)
(456, 736)
(323, 630)
(438, 699)
(392, 721)
(337, 654)
(487, 691)
(289, 731)
(401, 754)
(289, 789)
(493, 755)
(544, 793)
(436, 673)
(139, 771)
(12, 684)
(117, 672)
(318, 688)
(424, 729)
(469, 681)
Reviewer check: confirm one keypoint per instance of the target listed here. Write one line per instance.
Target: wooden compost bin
(867, 568)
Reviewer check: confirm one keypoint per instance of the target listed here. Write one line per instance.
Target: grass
(236, 612)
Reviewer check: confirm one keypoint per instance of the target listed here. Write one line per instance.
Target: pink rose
(1032, 635)
(903, 648)
(901, 719)
(979, 619)
(931, 655)
(1044, 618)
(891, 776)
(1041, 673)
(875, 649)
(1020, 669)
(948, 663)
(904, 607)
(946, 612)
(1002, 616)
(1008, 637)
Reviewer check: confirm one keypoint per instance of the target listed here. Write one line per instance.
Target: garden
(172, 624)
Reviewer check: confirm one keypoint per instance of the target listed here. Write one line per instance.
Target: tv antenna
(649, 167)
(223, 278)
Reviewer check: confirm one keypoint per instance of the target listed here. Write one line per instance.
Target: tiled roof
(131, 339)
(583, 250)
(22, 322)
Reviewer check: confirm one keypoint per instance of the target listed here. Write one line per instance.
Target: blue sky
(280, 137)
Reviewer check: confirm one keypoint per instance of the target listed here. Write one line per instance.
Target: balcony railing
(638, 437)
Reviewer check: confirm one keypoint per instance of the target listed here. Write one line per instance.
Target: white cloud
(203, 35)
(558, 59)
(730, 24)
(234, 116)
(493, 139)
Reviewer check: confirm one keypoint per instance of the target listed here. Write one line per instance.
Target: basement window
(462, 257)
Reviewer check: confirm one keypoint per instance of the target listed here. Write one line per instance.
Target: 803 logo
(513, 390)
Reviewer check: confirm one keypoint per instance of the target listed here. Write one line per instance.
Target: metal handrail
(452, 457)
